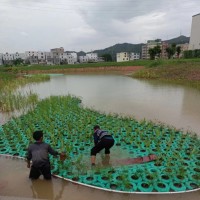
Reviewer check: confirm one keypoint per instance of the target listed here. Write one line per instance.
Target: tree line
(171, 51)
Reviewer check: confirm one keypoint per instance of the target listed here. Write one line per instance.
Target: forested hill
(127, 47)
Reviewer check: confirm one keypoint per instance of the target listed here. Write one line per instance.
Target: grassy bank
(178, 71)
(181, 71)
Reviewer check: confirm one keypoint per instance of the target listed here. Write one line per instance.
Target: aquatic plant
(68, 127)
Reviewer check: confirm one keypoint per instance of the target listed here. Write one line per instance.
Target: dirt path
(122, 70)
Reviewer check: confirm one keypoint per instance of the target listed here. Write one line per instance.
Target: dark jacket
(99, 134)
(38, 152)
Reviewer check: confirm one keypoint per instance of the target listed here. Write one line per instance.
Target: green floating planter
(69, 126)
(144, 187)
(177, 186)
(162, 187)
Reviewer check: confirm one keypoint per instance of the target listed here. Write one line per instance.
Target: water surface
(14, 182)
(177, 106)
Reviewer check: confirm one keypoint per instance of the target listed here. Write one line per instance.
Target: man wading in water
(102, 140)
(39, 152)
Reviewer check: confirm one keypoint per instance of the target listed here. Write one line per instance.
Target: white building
(49, 58)
(41, 56)
(92, 57)
(19, 55)
(8, 56)
(134, 56)
(75, 57)
(31, 54)
(66, 58)
(83, 59)
(122, 57)
(195, 33)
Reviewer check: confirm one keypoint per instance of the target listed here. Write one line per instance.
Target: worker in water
(102, 140)
(39, 152)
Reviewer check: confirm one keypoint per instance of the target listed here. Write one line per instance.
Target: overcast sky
(87, 25)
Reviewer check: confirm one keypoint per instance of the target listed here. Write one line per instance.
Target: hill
(137, 48)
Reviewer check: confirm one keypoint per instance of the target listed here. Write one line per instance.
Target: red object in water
(139, 160)
(63, 156)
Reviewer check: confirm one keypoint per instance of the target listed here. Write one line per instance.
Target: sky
(87, 25)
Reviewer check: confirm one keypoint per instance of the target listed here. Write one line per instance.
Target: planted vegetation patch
(68, 127)
(12, 100)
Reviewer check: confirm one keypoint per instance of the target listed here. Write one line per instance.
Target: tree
(178, 50)
(18, 61)
(157, 50)
(107, 57)
(171, 50)
(153, 52)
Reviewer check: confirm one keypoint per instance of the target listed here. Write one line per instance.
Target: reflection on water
(175, 105)
(14, 182)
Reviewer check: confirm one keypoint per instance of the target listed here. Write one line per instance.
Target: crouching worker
(39, 152)
(102, 140)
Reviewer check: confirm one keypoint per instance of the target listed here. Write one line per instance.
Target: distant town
(153, 49)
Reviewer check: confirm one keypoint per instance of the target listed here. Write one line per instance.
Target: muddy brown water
(15, 184)
(174, 105)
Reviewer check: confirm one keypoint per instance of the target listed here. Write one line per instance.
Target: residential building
(49, 58)
(101, 59)
(150, 44)
(58, 50)
(123, 57)
(164, 46)
(92, 57)
(195, 33)
(134, 56)
(31, 57)
(56, 55)
(41, 57)
(184, 47)
(8, 58)
(83, 59)
(16, 56)
(70, 59)
(66, 58)
(31, 54)
(75, 57)
(144, 51)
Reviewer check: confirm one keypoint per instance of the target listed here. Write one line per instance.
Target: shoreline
(122, 70)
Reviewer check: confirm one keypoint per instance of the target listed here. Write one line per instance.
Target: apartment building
(66, 58)
(184, 47)
(92, 57)
(134, 56)
(83, 59)
(75, 57)
(150, 44)
(49, 58)
(163, 48)
(195, 33)
(31, 57)
(123, 57)
(41, 57)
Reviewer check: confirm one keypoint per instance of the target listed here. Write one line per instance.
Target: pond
(14, 184)
(173, 105)
(177, 106)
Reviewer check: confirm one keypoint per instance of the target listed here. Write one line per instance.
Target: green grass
(84, 65)
(177, 71)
